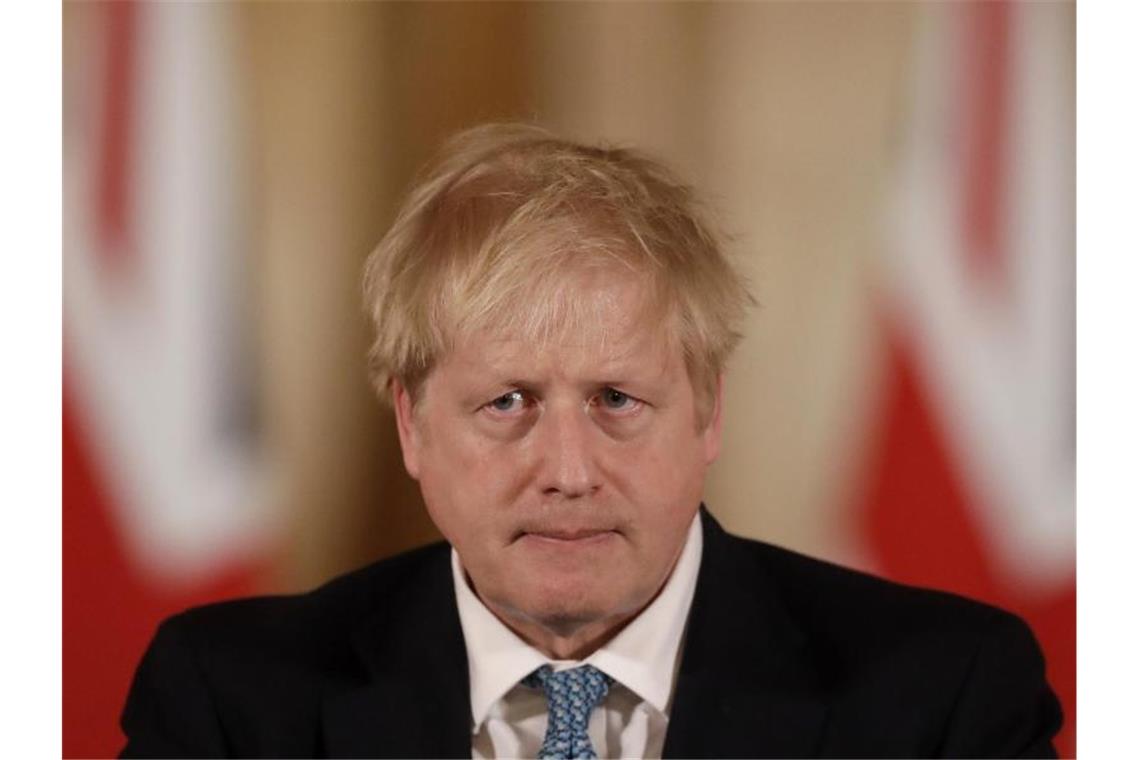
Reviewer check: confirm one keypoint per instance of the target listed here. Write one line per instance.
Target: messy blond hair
(493, 234)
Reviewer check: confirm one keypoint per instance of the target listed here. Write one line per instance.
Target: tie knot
(571, 696)
(584, 684)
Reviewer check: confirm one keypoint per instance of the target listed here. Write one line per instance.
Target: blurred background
(897, 180)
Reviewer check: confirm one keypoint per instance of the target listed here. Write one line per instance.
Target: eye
(616, 401)
(509, 403)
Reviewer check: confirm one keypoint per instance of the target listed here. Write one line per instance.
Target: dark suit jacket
(784, 656)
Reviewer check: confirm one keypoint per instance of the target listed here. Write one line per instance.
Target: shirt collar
(497, 658)
(643, 657)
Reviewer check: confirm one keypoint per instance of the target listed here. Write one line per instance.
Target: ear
(712, 431)
(410, 440)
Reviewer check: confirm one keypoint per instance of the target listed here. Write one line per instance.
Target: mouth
(568, 536)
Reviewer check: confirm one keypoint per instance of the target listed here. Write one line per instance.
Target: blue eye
(614, 399)
(508, 402)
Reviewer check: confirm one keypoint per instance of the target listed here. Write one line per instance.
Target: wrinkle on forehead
(595, 355)
(605, 310)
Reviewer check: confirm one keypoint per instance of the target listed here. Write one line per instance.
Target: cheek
(468, 479)
(662, 468)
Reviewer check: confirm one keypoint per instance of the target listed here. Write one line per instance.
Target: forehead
(598, 322)
(593, 355)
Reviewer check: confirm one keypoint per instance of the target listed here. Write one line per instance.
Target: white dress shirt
(509, 720)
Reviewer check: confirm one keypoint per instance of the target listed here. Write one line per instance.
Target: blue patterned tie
(571, 696)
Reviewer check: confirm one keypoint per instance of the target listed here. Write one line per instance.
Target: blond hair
(492, 235)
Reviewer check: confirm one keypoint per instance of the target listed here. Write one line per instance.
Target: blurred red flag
(163, 504)
(970, 487)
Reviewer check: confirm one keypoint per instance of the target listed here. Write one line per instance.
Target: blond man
(553, 323)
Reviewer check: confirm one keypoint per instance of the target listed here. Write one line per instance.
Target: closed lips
(570, 535)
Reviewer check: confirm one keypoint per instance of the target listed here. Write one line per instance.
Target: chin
(565, 621)
(565, 610)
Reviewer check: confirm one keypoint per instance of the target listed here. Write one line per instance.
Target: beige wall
(781, 114)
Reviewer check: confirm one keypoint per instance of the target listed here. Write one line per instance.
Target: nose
(569, 445)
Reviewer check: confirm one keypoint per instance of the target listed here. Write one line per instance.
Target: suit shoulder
(248, 677)
(950, 676)
(330, 610)
(828, 596)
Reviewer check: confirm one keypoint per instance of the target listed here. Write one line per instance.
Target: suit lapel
(710, 720)
(746, 685)
(414, 700)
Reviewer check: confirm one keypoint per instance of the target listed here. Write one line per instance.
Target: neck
(565, 642)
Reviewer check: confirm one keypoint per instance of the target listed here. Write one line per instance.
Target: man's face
(565, 473)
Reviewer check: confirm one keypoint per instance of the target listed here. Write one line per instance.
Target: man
(553, 323)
